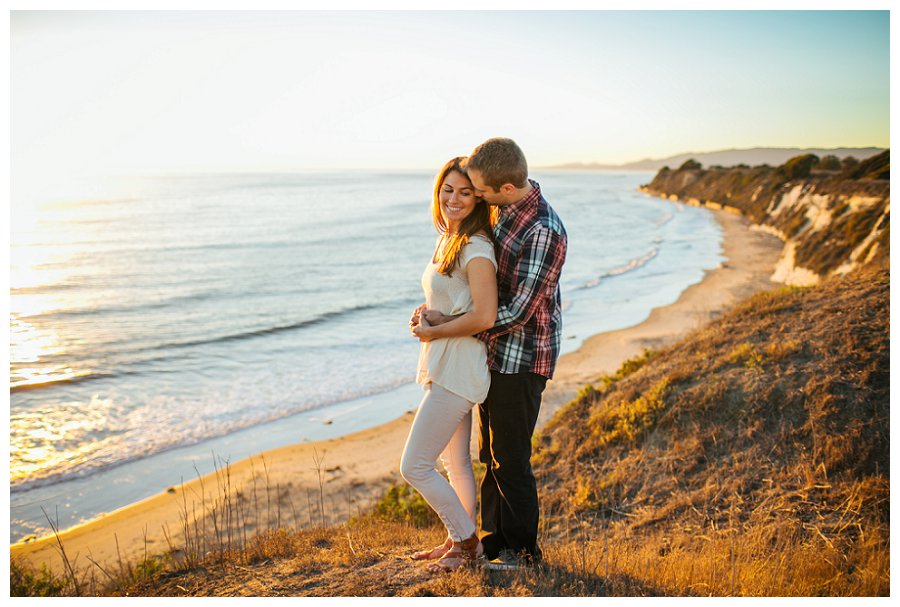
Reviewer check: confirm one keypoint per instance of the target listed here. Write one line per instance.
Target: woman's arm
(483, 286)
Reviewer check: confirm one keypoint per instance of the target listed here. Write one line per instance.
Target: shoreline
(351, 483)
(751, 257)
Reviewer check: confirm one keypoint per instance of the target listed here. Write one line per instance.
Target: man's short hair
(500, 161)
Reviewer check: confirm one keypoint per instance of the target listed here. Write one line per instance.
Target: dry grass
(750, 459)
(367, 557)
(756, 445)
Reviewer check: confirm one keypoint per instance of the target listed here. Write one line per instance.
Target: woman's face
(457, 199)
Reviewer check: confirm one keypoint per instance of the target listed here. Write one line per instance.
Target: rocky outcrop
(833, 216)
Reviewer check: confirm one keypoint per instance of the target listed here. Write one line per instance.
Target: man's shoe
(506, 561)
(492, 545)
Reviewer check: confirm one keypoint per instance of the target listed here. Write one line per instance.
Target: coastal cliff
(833, 215)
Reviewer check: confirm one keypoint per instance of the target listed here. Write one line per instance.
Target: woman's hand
(416, 315)
(423, 329)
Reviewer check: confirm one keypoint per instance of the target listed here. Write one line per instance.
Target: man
(523, 345)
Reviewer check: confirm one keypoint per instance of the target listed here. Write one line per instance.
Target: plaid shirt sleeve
(537, 275)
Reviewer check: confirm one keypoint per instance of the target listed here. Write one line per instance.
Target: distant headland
(749, 156)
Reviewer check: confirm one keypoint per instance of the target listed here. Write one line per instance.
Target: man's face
(484, 191)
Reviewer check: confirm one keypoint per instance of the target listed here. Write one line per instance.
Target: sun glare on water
(32, 342)
(50, 439)
(45, 237)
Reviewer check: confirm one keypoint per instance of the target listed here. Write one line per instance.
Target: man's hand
(434, 317)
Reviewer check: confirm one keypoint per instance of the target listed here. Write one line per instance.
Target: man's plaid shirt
(530, 243)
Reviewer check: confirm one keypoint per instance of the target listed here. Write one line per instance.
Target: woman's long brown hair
(482, 219)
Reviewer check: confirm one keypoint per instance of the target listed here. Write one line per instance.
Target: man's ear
(508, 189)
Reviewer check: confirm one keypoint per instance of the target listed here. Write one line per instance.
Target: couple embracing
(490, 330)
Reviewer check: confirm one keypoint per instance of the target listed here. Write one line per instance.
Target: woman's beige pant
(443, 426)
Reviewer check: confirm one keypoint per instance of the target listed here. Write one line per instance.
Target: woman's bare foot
(435, 553)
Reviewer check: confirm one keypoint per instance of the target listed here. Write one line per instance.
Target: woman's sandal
(435, 553)
(460, 554)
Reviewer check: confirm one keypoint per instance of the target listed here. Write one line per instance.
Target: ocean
(157, 320)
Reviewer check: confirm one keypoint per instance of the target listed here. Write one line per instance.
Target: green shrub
(632, 365)
(798, 167)
(829, 163)
(24, 581)
(690, 165)
(403, 504)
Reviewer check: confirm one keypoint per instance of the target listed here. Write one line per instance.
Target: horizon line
(160, 171)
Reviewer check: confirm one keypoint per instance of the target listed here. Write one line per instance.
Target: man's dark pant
(509, 501)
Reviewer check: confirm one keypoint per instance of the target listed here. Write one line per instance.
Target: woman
(460, 280)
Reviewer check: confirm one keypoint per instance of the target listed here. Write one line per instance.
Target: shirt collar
(528, 201)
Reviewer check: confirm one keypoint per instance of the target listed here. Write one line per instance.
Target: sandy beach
(354, 470)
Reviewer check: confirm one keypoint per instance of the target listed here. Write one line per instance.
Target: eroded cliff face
(831, 222)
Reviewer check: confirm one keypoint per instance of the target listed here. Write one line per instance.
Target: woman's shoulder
(481, 236)
(479, 245)
(480, 240)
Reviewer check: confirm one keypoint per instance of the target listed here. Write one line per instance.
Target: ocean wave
(632, 265)
(41, 289)
(92, 310)
(99, 310)
(101, 461)
(51, 381)
(265, 332)
(169, 348)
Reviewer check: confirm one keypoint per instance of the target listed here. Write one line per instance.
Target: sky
(137, 92)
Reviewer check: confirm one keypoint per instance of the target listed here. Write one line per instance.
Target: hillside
(765, 434)
(833, 216)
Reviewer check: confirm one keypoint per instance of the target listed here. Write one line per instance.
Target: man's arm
(540, 264)
(435, 318)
